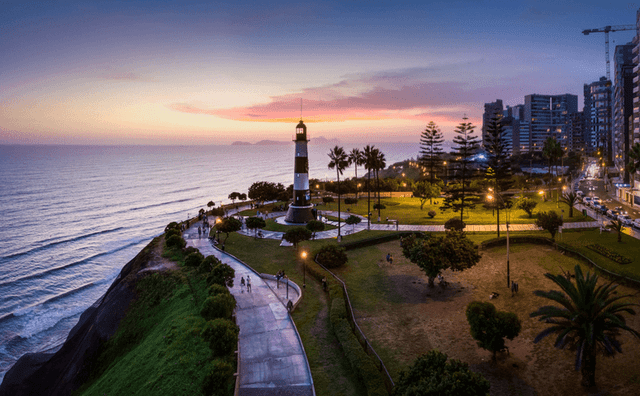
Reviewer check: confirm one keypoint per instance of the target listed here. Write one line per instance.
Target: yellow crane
(606, 31)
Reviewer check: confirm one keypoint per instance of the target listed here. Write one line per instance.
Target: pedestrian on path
(388, 257)
(242, 282)
(290, 306)
(248, 283)
(199, 232)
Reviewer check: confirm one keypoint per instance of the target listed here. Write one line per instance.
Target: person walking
(248, 283)
(388, 257)
(242, 282)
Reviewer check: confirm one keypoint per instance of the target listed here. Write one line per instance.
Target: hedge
(618, 258)
(377, 240)
(361, 364)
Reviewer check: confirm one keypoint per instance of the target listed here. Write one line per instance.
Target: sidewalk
(271, 358)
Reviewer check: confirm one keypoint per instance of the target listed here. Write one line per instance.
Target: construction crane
(606, 31)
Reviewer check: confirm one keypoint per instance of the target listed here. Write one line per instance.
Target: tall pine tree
(431, 150)
(461, 193)
(498, 166)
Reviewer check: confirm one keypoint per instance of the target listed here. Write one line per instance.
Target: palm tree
(634, 159)
(589, 320)
(356, 157)
(369, 155)
(339, 161)
(379, 164)
(570, 198)
(617, 226)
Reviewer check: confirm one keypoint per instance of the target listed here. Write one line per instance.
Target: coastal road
(271, 358)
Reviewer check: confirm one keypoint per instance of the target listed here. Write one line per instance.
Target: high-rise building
(622, 134)
(574, 133)
(597, 117)
(520, 128)
(547, 117)
(490, 110)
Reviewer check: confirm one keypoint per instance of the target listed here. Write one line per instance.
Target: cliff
(64, 371)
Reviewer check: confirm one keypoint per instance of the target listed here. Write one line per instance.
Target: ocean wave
(182, 190)
(69, 293)
(73, 264)
(56, 243)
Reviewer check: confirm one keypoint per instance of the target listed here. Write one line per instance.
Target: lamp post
(446, 171)
(490, 197)
(304, 269)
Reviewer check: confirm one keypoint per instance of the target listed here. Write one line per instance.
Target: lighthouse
(300, 210)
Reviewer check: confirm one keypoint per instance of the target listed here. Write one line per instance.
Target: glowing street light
(304, 270)
(490, 197)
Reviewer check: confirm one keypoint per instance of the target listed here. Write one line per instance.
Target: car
(625, 219)
(612, 213)
(580, 193)
(636, 223)
(601, 208)
(596, 200)
(587, 200)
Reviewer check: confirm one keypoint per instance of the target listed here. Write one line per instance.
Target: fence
(364, 342)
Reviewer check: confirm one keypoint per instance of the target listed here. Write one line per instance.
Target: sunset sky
(201, 72)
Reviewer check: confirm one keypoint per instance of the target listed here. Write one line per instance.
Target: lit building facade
(547, 116)
(597, 116)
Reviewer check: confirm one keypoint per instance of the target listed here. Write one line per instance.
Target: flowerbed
(618, 258)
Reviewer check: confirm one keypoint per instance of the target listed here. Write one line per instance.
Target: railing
(364, 342)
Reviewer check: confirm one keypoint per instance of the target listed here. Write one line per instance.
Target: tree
(552, 151)
(218, 306)
(425, 190)
(454, 224)
(211, 204)
(379, 164)
(432, 375)
(431, 150)
(356, 157)
(242, 197)
(297, 235)
(255, 223)
(315, 226)
(617, 226)
(222, 274)
(435, 254)
(353, 220)
(265, 191)
(339, 162)
(498, 165)
(549, 221)
(461, 195)
(570, 198)
(222, 336)
(527, 204)
(634, 159)
(490, 327)
(228, 225)
(233, 196)
(369, 155)
(332, 256)
(589, 319)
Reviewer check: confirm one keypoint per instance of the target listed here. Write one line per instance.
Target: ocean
(73, 216)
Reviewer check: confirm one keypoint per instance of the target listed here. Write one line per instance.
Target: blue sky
(209, 73)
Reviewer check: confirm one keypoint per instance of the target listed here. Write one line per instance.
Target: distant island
(319, 140)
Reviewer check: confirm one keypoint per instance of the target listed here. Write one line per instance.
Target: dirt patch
(435, 318)
(156, 262)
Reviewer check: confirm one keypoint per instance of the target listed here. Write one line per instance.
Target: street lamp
(304, 269)
(490, 197)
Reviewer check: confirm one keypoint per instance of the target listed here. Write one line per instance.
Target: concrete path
(271, 358)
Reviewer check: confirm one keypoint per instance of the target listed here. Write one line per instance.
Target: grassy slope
(157, 349)
(407, 211)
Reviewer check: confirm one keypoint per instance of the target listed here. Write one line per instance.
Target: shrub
(432, 213)
(208, 264)
(172, 226)
(193, 259)
(171, 232)
(455, 224)
(350, 201)
(218, 306)
(188, 250)
(175, 241)
(332, 256)
(379, 206)
(222, 336)
(219, 379)
(490, 327)
(327, 199)
(218, 289)
(222, 274)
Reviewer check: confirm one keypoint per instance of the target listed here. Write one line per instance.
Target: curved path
(271, 358)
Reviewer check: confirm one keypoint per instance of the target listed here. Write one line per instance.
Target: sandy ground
(435, 318)
(157, 263)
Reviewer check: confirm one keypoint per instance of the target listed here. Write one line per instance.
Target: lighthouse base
(299, 214)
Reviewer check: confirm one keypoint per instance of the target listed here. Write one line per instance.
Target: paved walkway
(271, 358)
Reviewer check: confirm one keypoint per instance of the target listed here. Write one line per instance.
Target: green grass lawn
(407, 211)
(272, 225)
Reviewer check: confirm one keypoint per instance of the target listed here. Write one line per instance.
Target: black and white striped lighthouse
(300, 210)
